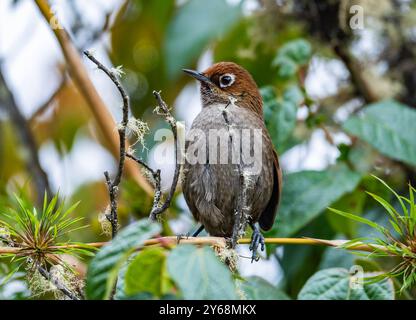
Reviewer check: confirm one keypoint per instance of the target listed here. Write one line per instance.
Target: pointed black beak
(197, 75)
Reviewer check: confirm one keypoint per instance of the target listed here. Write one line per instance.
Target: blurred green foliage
(282, 46)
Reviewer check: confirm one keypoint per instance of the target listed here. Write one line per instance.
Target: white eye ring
(227, 80)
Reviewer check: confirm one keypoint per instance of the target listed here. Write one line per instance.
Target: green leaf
(405, 211)
(199, 273)
(389, 127)
(147, 273)
(280, 114)
(196, 23)
(256, 288)
(291, 56)
(120, 288)
(389, 208)
(335, 284)
(306, 194)
(358, 219)
(293, 94)
(103, 269)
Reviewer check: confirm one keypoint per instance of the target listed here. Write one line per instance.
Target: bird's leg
(197, 232)
(179, 237)
(256, 239)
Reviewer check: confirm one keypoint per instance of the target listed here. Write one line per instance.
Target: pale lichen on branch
(139, 128)
(163, 110)
(113, 185)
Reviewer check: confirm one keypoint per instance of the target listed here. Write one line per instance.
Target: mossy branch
(218, 242)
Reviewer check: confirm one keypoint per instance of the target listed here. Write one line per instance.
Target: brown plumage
(231, 101)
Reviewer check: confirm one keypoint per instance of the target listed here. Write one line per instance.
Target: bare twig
(163, 110)
(113, 185)
(94, 33)
(158, 208)
(156, 178)
(61, 287)
(81, 79)
(8, 102)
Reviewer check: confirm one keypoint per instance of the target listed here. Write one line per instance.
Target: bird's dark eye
(226, 80)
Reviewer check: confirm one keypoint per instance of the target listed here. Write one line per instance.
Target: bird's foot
(181, 236)
(256, 240)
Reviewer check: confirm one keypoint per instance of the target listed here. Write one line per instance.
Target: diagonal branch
(362, 85)
(81, 79)
(8, 102)
(60, 286)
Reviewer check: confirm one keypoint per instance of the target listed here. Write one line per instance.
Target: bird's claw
(179, 237)
(256, 240)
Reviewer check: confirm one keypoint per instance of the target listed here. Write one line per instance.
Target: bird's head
(227, 81)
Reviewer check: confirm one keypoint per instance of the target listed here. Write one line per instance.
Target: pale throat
(223, 101)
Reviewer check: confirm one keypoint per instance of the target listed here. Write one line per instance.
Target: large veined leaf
(199, 273)
(339, 284)
(256, 288)
(389, 127)
(196, 23)
(103, 269)
(147, 273)
(306, 194)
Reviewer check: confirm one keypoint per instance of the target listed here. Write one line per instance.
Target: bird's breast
(225, 141)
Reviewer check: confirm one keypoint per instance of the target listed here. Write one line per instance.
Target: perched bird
(212, 186)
